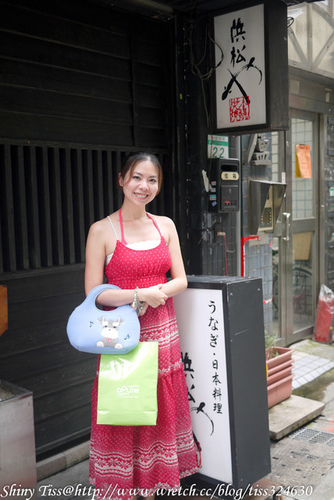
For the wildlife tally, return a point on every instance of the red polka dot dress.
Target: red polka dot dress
(146, 458)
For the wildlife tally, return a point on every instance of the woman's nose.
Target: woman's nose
(144, 184)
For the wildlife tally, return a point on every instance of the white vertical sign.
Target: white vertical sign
(240, 77)
(199, 314)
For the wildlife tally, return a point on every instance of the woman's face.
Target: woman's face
(141, 184)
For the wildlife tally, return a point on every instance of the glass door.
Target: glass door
(295, 247)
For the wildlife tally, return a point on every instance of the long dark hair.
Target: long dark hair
(132, 159)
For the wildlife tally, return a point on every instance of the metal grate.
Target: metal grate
(314, 436)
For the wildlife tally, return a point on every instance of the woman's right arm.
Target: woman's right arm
(95, 257)
(94, 269)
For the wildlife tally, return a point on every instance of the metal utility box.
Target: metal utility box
(221, 331)
(17, 442)
(224, 185)
(265, 201)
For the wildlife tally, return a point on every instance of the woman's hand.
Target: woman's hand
(143, 309)
(152, 296)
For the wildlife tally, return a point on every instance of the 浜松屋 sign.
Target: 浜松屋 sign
(241, 74)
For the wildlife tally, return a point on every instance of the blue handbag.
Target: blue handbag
(94, 330)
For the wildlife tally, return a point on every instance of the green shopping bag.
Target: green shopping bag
(127, 387)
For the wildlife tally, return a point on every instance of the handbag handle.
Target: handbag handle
(96, 291)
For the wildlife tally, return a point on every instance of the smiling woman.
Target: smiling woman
(134, 163)
(135, 250)
(141, 181)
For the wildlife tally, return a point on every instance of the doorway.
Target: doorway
(295, 242)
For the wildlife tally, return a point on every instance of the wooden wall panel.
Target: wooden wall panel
(57, 105)
(36, 23)
(79, 78)
(36, 354)
(81, 85)
(86, 12)
(50, 54)
(48, 78)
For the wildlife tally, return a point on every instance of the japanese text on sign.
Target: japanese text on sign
(240, 78)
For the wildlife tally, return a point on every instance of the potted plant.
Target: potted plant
(279, 371)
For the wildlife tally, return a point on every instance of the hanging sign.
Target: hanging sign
(240, 68)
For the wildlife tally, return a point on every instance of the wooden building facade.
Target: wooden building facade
(81, 85)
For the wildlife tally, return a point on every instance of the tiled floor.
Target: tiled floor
(307, 367)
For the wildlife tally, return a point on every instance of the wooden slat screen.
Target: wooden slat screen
(49, 196)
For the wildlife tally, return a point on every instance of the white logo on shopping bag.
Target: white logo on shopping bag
(130, 391)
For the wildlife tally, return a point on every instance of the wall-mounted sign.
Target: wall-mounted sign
(251, 76)
(241, 76)
(218, 146)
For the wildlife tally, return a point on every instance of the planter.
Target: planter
(279, 391)
(284, 354)
(278, 368)
(279, 381)
(279, 375)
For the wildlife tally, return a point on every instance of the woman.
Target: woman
(135, 250)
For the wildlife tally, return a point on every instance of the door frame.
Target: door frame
(287, 227)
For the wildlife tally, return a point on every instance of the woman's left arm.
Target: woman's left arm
(178, 283)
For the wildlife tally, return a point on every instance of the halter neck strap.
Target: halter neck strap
(121, 226)
(155, 223)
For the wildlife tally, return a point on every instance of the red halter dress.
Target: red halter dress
(139, 460)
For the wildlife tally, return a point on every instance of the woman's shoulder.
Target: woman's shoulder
(167, 227)
(162, 219)
(99, 227)
(165, 223)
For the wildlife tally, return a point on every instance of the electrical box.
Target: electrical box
(265, 201)
(224, 185)
(266, 221)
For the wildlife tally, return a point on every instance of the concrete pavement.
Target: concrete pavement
(302, 461)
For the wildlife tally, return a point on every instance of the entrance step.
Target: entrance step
(292, 414)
